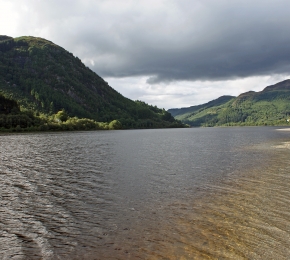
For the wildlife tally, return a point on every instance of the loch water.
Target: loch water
(197, 193)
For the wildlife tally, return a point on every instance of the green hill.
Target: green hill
(268, 107)
(186, 111)
(46, 78)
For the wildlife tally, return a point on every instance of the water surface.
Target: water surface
(204, 193)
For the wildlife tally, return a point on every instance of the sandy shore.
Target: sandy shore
(285, 145)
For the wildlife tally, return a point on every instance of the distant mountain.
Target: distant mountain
(185, 111)
(268, 107)
(46, 78)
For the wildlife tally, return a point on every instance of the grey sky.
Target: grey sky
(168, 53)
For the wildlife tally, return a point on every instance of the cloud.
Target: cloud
(168, 44)
(188, 93)
(167, 40)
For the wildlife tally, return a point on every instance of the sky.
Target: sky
(169, 53)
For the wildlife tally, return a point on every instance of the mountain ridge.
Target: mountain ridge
(270, 106)
(219, 100)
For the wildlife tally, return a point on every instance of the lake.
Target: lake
(197, 193)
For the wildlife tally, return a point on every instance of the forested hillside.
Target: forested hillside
(45, 78)
(268, 107)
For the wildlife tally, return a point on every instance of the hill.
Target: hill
(186, 111)
(45, 78)
(270, 106)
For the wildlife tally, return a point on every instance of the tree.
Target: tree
(115, 124)
(61, 115)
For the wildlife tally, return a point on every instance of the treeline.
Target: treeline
(22, 123)
(13, 119)
(27, 121)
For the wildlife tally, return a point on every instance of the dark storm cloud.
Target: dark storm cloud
(169, 40)
(228, 40)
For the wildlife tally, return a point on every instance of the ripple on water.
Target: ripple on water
(246, 217)
(66, 199)
(45, 198)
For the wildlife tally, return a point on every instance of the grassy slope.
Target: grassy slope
(187, 111)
